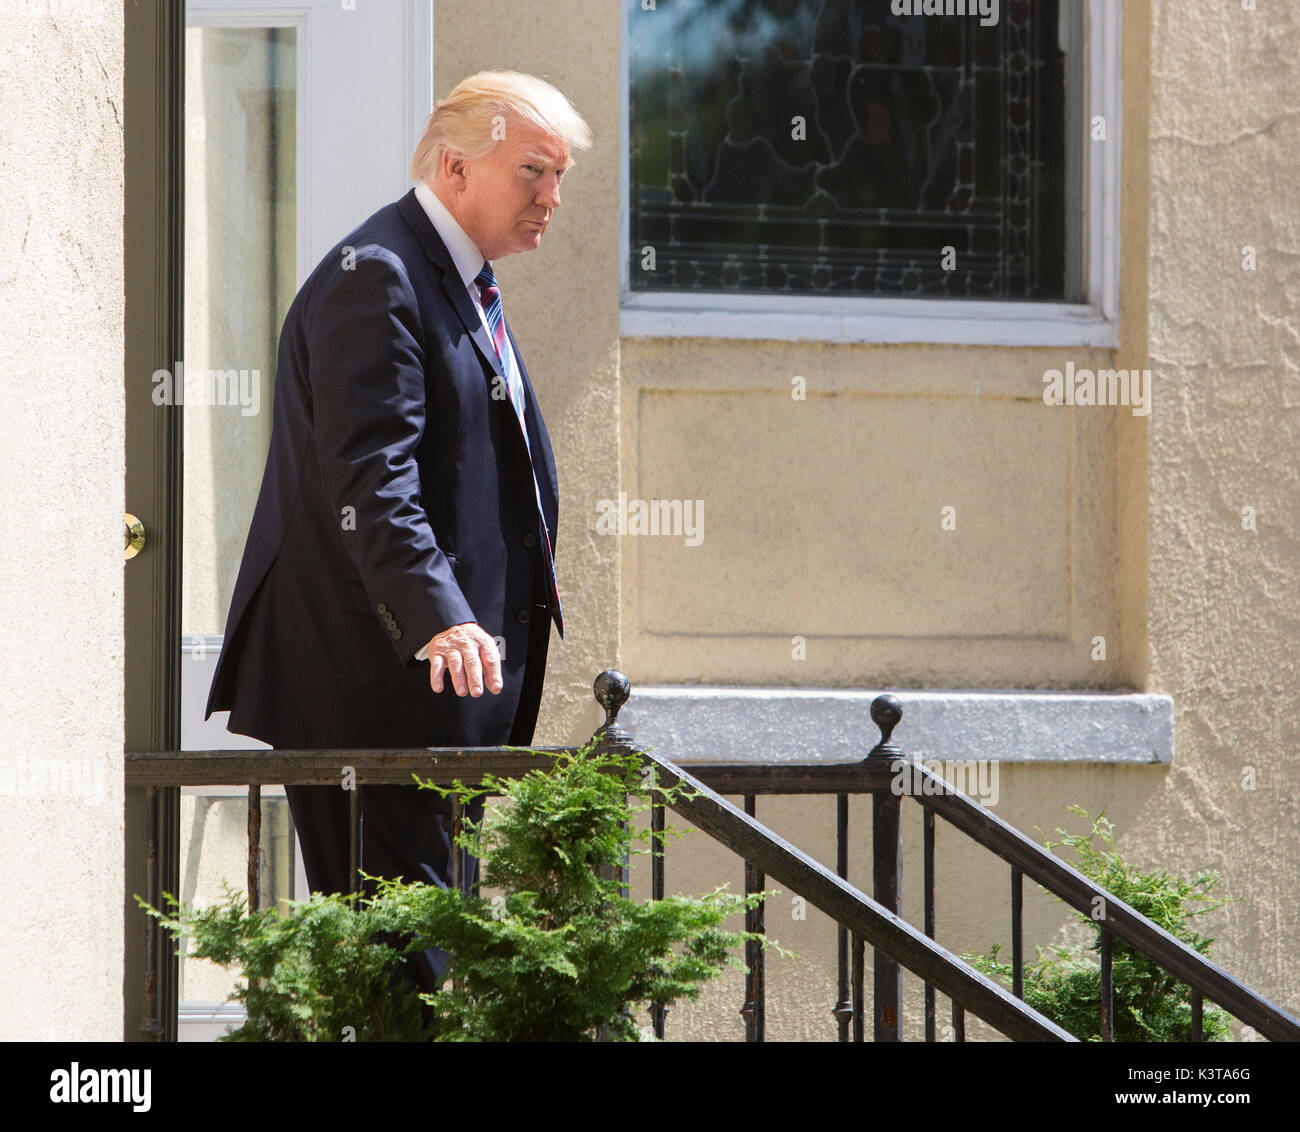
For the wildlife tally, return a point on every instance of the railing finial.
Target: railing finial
(886, 711)
(612, 689)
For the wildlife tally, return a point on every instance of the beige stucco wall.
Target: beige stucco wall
(1198, 608)
(1224, 609)
(1208, 610)
(1055, 505)
(61, 657)
(1079, 523)
(858, 472)
(568, 334)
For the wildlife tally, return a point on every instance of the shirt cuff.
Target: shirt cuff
(423, 653)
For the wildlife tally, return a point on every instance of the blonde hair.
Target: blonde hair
(464, 120)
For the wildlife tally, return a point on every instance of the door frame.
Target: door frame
(153, 267)
(153, 283)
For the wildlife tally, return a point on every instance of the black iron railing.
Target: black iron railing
(881, 774)
(862, 920)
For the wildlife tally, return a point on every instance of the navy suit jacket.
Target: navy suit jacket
(397, 501)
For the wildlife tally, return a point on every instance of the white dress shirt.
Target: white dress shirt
(469, 262)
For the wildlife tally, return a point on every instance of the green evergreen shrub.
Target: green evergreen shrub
(1064, 984)
(557, 955)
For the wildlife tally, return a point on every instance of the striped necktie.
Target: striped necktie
(490, 297)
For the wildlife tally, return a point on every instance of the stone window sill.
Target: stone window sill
(703, 724)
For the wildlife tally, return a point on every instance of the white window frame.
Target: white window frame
(841, 319)
(314, 108)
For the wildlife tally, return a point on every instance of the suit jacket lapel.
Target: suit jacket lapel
(542, 459)
(436, 250)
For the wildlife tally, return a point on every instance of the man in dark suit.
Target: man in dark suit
(404, 534)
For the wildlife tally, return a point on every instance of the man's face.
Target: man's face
(507, 198)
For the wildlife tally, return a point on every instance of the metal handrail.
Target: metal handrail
(888, 769)
(1020, 852)
(1121, 919)
(851, 908)
(765, 853)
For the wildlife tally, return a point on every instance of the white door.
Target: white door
(300, 122)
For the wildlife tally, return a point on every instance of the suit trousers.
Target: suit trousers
(406, 831)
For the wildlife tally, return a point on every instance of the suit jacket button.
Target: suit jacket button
(396, 634)
(530, 539)
(522, 617)
(382, 607)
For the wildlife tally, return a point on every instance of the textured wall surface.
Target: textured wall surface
(822, 518)
(562, 303)
(1192, 605)
(1203, 608)
(61, 653)
(1224, 608)
(1208, 611)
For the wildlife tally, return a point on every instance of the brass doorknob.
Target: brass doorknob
(133, 535)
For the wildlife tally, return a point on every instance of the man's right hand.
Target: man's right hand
(469, 655)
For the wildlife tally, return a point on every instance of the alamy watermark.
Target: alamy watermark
(681, 517)
(987, 10)
(976, 778)
(24, 777)
(1099, 387)
(241, 387)
(102, 1086)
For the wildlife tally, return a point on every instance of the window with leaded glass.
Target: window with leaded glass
(835, 148)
